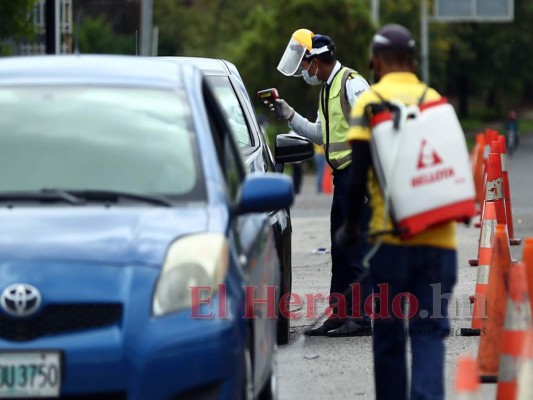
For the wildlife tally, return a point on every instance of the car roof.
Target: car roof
(210, 66)
(91, 69)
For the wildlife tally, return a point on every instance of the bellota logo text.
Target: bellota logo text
(207, 303)
(432, 177)
(428, 157)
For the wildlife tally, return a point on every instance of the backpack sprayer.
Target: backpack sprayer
(269, 96)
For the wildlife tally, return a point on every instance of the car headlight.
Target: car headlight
(192, 261)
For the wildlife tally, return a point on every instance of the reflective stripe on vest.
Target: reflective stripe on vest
(339, 151)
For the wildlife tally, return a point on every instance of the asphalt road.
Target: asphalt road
(342, 368)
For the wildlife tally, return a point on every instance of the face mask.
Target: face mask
(310, 80)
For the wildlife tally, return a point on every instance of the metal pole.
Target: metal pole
(146, 27)
(155, 41)
(424, 39)
(375, 12)
(50, 29)
(57, 33)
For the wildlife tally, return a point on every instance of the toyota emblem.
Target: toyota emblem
(20, 299)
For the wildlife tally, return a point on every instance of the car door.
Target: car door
(258, 157)
(253, 239)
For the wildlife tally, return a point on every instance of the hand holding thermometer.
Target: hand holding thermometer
(269, 96)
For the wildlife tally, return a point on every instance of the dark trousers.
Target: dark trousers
(429, 274)
(296, 177)
(346, 266)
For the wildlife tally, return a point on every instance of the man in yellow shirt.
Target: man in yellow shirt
(424, 265)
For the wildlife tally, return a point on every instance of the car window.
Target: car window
(232, 109)
(98, 138)
(229, 157)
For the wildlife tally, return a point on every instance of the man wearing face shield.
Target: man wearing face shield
(311, 56)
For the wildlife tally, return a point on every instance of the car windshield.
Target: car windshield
(133, 140)
(232, 109)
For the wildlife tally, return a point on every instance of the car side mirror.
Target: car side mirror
(292, 148)
(264, 193)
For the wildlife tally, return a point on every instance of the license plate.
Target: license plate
(30, 374)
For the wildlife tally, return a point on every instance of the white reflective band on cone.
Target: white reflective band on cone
(494, 190)
(289, 64)
(483, 274)
(525, 381)
(503, 160)
(486, 152)
(468, 396)
(517, 316)
(487, 233)
(508, 368)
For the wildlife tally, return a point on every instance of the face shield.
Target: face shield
(289, 64)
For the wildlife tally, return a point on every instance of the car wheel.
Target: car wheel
(248, 386)
(284, 323)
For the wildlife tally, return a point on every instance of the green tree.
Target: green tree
(490, 61)
(15, 20)
(268, 28)
(493, 61)
(97, 36)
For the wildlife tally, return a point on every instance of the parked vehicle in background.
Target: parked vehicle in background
(129, 228)
(231, 93)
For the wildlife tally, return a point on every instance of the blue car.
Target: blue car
(136, 251)
(232, 95)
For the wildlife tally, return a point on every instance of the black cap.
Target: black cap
(320, 41)
(323, 40)
(393, 37)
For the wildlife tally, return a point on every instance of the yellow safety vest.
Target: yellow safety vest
(335, 124)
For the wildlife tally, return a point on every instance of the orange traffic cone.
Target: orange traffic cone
(517, 323)
(507, 193)
(489, 138)
(482, 282)
(493, 193)
(490, 341)
(478, 169)
(494, 190)
(466, 379)
(525, 369)
(527, 258)
(327, 180)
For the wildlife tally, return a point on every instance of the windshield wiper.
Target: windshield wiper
(42, 195)
(114, 196)
(79, 197)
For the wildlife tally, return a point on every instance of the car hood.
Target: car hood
(116, 235)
